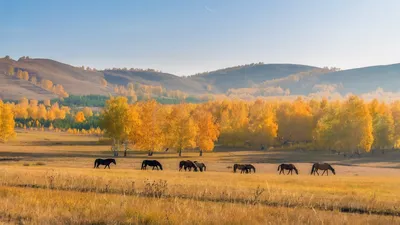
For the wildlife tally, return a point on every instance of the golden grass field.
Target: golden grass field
(48, 178)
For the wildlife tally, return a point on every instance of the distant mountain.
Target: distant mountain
(248, 75)
(257, 79)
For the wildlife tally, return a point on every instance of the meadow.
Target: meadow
(48, 178)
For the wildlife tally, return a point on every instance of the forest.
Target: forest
(351, 125)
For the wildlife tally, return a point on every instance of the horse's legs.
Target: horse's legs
(327, 171)
(323, 173)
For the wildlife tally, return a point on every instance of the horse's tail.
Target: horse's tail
(279, 167)
(312, 168)
(235, 168)
(95, 161)
(143, 164)
(254, 169)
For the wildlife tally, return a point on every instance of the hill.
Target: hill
(240, 81)
(247, 75)
(74, 80)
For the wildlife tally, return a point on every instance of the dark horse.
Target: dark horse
(153, 163)
(322, 166)
(202, 167)
(246, 168)
(289, 167)
(187, 165)
(106, 162)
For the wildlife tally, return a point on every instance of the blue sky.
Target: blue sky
(189, 36)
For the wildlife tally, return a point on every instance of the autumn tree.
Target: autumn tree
(152, 129)
(181, 128)
(395, 109)
(113, 120)
(103, 82)
(7, 122)
(383, 125)
(208, 130)
(87, 112)
(10, 71)
(46, 102)
(263, 123)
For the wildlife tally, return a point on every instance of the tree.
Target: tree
(87, 112)
(79, 117)
(46, 102)
(33, 80)
(113, 120)
(208, 131)
(7, 122)
(103, 82)
(395, 109)
(25, 75)
(262, 123)
(383, 125)
(10, 71)
(151, 135)
(181, 128)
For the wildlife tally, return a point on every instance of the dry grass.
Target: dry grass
(60, 187)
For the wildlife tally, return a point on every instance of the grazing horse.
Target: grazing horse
(202, 167)
(246, 168)
(322, 166)
(187, 165)
(289, 167)
(106, 162)
(153, 163)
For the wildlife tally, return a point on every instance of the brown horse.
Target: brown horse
(289, 167)
(187, 165)
(202, 167)
(322, 166)
(246, 168)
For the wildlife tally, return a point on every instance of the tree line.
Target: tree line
(352, 125)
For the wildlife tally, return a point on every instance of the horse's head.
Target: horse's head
(295, 170)
(113, 161)
(333, 170)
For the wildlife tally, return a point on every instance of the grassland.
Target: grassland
(48, 178)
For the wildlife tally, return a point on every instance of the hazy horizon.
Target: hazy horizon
(185, 38)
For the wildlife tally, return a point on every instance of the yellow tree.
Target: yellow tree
(233, 120)
(181, 128)
(103, 82)
(395, 109)
(262, 123)
(151, 136)
(80, 117)
(356, 126)
(87, 112)
(10, 71)
(25, 75)
(7, 122)
(113, 120)
(383, 125)
(133, 124)
(208, 130)
(34, 80)
(46, 102)
(295, 121)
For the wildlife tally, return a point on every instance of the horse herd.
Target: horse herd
(188, 165)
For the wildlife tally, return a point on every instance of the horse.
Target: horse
(202, 167)
(246, 168)
(323, 166)
(106, 162)
(289, 167)
(153, 163)
(250, 167)
(187, 165)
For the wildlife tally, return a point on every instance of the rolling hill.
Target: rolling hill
(266, 78)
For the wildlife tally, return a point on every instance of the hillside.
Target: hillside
(241, 81)
(247, 75)
(74, 80)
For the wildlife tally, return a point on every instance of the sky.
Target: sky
(185, 37)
